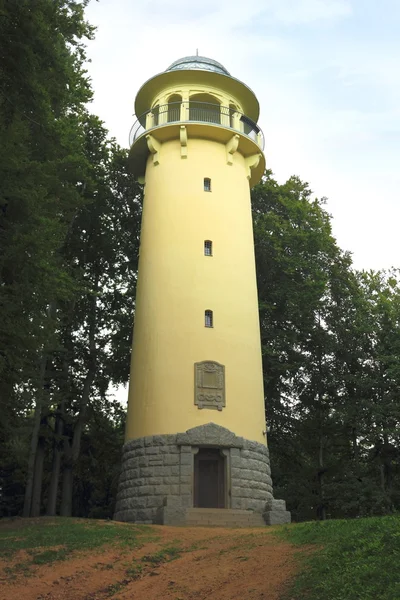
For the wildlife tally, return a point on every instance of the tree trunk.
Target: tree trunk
(321, 471)
(356, 457)
(72, 451)
(34, 441)
(388, 472)
(382, 474)
(67, 481)
(66, 496)
(55, 469)
(356, 452)
(37, 480)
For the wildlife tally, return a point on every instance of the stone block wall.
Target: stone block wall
(251, 483)
(158, 471)
(151, 470)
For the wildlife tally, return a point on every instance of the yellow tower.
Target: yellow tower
(196, 433)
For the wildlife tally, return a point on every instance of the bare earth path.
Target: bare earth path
(195, 564)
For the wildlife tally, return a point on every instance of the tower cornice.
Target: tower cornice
(151, 142)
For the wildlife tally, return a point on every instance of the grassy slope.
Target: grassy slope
(50, 539)
(355, 560)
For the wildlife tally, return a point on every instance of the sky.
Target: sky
(326, 74)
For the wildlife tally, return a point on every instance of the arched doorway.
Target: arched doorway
(174, 108)
(204, 108)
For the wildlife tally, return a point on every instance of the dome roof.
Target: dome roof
(198, 62)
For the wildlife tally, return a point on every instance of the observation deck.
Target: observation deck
(199, 119)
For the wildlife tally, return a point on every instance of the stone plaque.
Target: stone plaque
(209, 385)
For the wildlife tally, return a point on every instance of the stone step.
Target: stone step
(223, 517)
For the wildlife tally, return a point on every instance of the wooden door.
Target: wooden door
(209, 479)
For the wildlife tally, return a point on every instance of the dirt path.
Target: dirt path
(184, 564)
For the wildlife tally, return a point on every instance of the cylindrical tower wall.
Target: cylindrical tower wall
(177, 283)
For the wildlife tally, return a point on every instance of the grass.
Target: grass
(47, 540)
(114, 588)
(49, 556)
(18, 568)
(137, 569)
(166, 554)
(134, 571)
(352, 560)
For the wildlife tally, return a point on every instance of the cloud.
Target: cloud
(223, 16)
(310, 11)
(325, 73)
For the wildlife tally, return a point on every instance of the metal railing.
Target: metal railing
(197, 112)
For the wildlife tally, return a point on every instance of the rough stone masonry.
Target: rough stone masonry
(156, 482)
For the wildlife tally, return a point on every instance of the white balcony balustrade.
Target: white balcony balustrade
(196, 112)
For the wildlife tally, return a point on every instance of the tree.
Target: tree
(331, 343)
(102, 250)
(42, 94)
(298, 262)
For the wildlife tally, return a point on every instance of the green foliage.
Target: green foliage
(69, 223)
(353, 559)
(43, 90)
(330, 342)
(98, 468)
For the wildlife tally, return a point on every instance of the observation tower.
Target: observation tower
(196, 448)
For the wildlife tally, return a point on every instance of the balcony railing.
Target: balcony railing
(196, 112)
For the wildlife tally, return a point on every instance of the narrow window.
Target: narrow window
(207, 248)
(207, 184)
(208, 316)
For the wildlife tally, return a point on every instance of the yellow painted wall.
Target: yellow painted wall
(177, 283)
(186, 91)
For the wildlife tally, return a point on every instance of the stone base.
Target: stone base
(171, 513)
(156, 482)
(275, 513)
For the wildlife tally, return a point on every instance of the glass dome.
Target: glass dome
(198, 62)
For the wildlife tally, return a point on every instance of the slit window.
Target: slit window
(207, 184)
(207, 248)
(208, 318)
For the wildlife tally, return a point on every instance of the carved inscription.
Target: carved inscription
(209, 385)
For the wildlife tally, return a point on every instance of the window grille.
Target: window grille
(208, 316)
(207, 184)
(207, 247)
